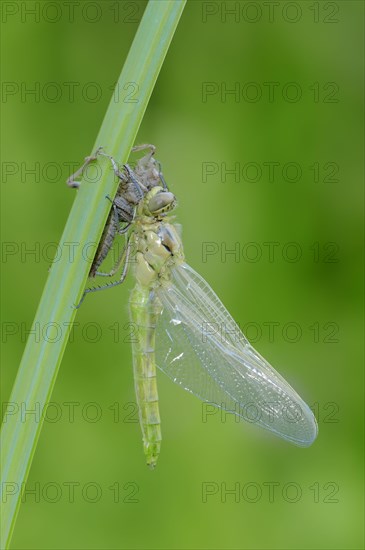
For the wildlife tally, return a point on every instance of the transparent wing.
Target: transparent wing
(201, 348)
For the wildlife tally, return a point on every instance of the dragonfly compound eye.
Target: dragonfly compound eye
(161, 202)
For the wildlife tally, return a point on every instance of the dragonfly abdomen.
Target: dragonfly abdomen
(144, 366)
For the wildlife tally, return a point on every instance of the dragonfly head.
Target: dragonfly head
(159, 202)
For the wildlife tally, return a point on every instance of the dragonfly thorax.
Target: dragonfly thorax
(158, 247)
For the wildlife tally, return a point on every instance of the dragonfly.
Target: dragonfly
(183, 327)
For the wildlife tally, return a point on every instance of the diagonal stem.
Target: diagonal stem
(39, 366)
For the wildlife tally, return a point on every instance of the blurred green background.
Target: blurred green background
(294, 131)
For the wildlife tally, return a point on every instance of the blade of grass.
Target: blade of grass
(39, 366)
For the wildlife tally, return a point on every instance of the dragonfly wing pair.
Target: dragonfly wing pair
(201, 348)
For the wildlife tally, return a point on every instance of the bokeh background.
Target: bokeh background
(294, 131)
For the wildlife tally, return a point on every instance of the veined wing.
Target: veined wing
(201, 348)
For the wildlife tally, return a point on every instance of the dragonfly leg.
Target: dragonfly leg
(120, 217)
(120, 175)
(139, 185)
(123, 257)
(123, 230)
(141, 189)
(149, 146)
(162, 179)
(71, 181)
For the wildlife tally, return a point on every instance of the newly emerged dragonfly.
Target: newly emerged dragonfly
(183, 327)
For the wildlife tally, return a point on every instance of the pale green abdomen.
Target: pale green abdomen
(144, 312)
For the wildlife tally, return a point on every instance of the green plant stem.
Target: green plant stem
(39, 366)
